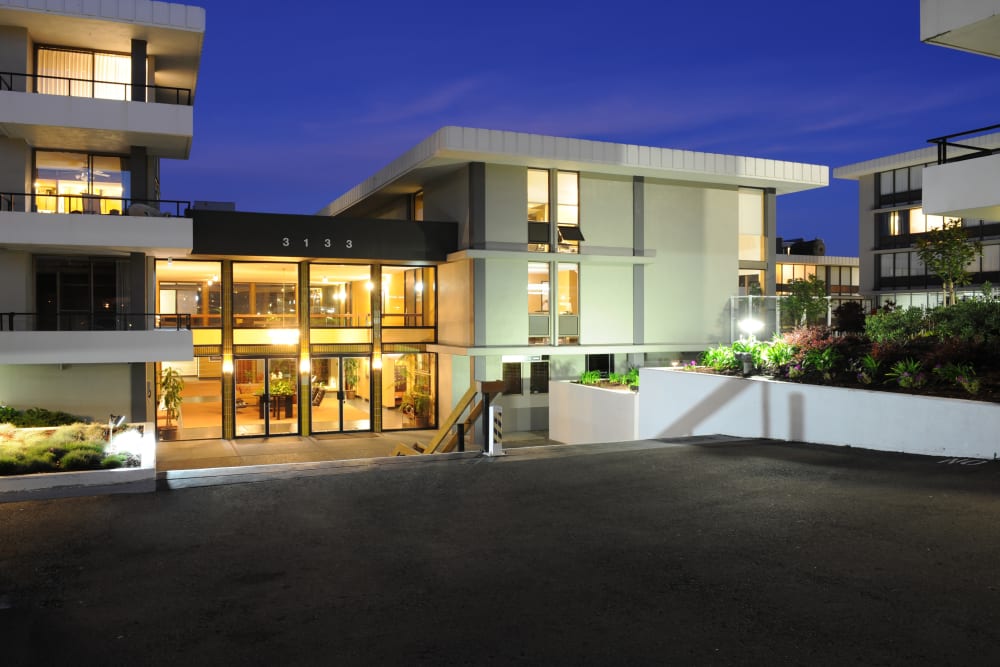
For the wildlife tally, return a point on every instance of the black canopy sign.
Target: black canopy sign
(313, 236)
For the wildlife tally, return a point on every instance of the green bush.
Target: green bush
(975, 320)
(590, 377)
(35, 417)
(82, 459)
(897, 326)
(721, 359)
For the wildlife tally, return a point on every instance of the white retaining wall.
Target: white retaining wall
(580, 414)
(675, 403)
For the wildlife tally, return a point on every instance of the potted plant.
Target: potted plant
(171, 386)
(283, 391)
(351, 373)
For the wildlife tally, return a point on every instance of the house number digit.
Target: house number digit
(284, 241)
(306, 241)
(350, 243)
(326, 243)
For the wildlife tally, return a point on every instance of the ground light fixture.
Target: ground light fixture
(114, 421)
(750, 326)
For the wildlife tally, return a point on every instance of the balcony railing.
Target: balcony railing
(94, 204)
(93, 321)
(106, 90)
(946, 142)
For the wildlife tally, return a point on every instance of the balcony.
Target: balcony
(96, 116)
(29, 222)
(963, 183)
(94, 338)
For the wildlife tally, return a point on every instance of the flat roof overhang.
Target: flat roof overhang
(962, 25)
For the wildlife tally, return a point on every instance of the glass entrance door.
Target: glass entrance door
(266, 397)
(341, 394)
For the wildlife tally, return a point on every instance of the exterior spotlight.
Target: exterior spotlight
(750, 326)
(114, 421)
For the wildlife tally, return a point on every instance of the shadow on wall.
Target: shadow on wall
(755, 426)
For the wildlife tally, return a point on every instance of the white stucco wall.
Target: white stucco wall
(695, 234)
(506, 283)
(675, 403)
(579, 414)
(967, 188)
(605, 304)
(606, 211)
(86, 390)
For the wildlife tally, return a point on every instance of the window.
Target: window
(569, 303)
(512, 379)
(84, 74)
(340, 295)
(899, 186)
(538, 303)
(408, 296)
(751, 224)
(418, 205)
(264, 295)
(540, 377)
(568, 213)
(603, 363)
(80, 183)
(538, 210)
(191, 288)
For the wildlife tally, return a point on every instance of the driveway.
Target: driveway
(709, 552)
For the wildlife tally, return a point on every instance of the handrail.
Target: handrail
(944, 142)
(92, 204)
(93, 321)
(179, 94)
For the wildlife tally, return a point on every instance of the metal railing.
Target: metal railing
(93, 204)
(945, 142)
(93, 321)
(69, 87)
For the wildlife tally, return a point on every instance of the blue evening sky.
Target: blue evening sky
(299, 101)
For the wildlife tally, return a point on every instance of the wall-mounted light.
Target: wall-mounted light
(304, 365)
(419, 287)
(377, 362)
(227, 365)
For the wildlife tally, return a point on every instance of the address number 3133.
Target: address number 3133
(286, 242)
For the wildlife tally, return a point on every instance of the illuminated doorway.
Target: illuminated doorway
(266, 397)
(340, 394)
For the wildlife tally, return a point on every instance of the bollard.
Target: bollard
(494, 442)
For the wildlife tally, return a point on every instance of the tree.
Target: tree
(946, 252)
(807, 301)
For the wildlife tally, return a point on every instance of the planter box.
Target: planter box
(580, 414)
(15, 488)
(675, 403)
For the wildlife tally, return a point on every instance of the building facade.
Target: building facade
(476, 256)
(579, 254)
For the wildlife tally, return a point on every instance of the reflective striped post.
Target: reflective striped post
(494, 441)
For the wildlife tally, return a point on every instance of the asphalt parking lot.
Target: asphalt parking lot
(705, 553)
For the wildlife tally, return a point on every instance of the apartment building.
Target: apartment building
(92, 97)
(904, 195)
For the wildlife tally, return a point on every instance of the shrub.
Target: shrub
(82, 459)
(962, 375)
(590, 377)
(897, 326)
(778, 355)
(824, 361)
(909, 373)
(868, 369)
(850, 316)
(721, 359)
(974, 320)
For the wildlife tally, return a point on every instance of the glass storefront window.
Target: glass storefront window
(408, 296)
(538, 210)
(538, 303)
(409, 391)
(340, 295)
(189, 287)
(264, 295)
